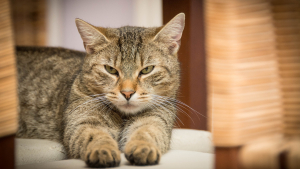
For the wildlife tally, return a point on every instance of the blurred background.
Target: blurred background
(52, 23)
(245, 78)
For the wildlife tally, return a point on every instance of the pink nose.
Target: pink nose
(127, 94)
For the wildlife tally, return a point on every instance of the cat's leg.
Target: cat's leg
(146, 139)
(93, 139)
(95, 146)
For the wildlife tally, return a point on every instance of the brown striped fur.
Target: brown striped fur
(70, 97)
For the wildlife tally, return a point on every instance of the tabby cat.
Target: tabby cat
(115, 97)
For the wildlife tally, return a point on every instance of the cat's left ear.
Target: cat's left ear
(171, 33)
(91, 36)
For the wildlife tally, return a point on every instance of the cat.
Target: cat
(118, 96)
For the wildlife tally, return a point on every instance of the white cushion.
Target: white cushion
(193, 140)
(174, 159)
(30, 151)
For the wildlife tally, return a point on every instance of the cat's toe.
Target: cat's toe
(103, 156)
(142, 153)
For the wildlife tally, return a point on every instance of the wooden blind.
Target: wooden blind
(253, 50)
(8, 83)
(244, 86)
(287, 28)
(286, 14)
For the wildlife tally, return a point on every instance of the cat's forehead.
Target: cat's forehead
(130, 41)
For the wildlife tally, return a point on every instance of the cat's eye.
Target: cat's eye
(111, 70)
(147, 70)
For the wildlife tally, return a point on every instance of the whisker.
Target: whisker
(99, 101)
(89, 101)
(158, 104)
(152, 106)
(180, 103)
(179, 109)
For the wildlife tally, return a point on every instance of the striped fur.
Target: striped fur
(70, 97)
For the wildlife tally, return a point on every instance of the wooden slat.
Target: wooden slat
(243, 71)
(287, 29)
(8, 90)
(228, 25)
(8, 93)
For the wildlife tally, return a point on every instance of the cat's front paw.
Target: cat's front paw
(142, 153)
(102, 156)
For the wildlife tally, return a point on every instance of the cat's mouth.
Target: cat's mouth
(128, 105)
(129, 108)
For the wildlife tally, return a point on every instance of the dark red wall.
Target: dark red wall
(192, 58)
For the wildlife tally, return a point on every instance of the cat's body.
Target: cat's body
(119, 96)
(45, 78)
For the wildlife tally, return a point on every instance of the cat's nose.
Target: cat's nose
(127, 94)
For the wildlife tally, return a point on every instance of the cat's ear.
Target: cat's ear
(90, 36)
(171, 33)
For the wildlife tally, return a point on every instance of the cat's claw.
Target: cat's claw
(142, 153)
(103, 156)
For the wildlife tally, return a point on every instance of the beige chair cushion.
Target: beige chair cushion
(188, 147)
(174, 159)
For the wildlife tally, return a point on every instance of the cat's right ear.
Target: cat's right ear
(171, 33)
(90, 36)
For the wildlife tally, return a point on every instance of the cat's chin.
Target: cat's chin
(129, 109)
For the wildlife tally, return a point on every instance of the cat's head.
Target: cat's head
(132, 65)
